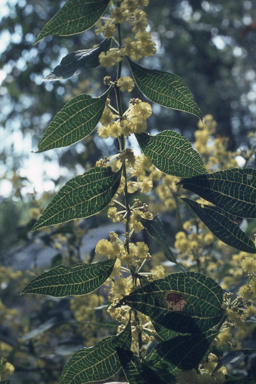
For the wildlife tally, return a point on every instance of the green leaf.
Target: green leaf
(164, 88)
(180, 353)
(233, 190)
(164, 333)
(96, 363)
(77, 62)
(223, 226)
(74, 17)
(5, 382)
(78, 279)
(82, 196)
(76, 120)
(171, 153)
(135, 371)
(155, 229)
(186, 303)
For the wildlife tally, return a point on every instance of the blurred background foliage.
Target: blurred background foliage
(211, 45)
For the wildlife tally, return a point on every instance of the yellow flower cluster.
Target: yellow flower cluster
(125, 83)
(201, 377)
(134, 120)
(195, 247)
(167, 192)
(85, 315)
(108, 29)
(110, 250)
(240, 264)
(116, 249)
(6, 368)
(216, 157)
(142, 46)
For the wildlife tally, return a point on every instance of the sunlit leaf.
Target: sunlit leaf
(96, 363)
(171, 153)
(155, 229)
(164, 88)
(223, 226)
(233, 190)
(186, 303)
(180, 353)
(76, 120)
(82, 196)
(74, 17)
(78, 279)
(77, 62)
(135, 371)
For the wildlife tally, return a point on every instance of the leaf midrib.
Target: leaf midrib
(90, 106)
(67, 285)
(177, 149)
(73, 20)
(74, 189)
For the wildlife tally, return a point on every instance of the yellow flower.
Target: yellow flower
(8, 369)
(140, 21)
(245, 292)
(125, 83)
(103, 132)
(115, 129)
(106, 60)
(250, 311)
(146, 185)
(107, 116)
(209, 238)
(109, 29)
(119, 15)
(249, 265)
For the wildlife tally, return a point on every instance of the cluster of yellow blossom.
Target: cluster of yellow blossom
(116, 249)
(110, 57)
(125, 83)
(194, 246)
(141, 46)
(85, 315)
(134, 119)
(6, 368)
(204, 374)
(241, 264)
(216, 156)
(167, 192)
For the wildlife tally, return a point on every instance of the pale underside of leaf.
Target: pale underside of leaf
(77, 119)
(78, 279)
(172, 154)
(223, 226)
(77, 62)
(166, 89)
(74, 17)
(96, 363)
(233, 190)
(200, 298)
(81, 197)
